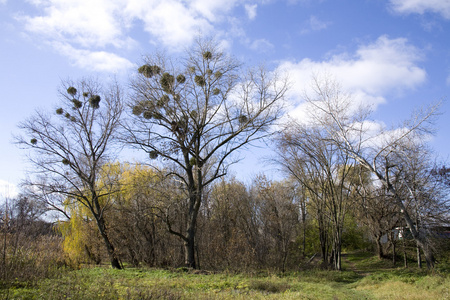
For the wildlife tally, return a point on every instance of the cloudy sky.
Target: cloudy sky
(394, 54)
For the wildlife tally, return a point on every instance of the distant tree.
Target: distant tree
(29, 248)
(222, 238)
(428, 201)
(280, 216)
(376, 210)
(327, 174)
(138, 215)
(378, 151)
(69, 147)
(196, 113)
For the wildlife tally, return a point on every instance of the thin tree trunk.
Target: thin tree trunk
(405, 257)
(394, 253)
(419, 257)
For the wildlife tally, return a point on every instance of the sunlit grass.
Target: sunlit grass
(364, 277)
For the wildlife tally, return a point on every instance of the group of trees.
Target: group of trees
(192, 116)
(339, 155)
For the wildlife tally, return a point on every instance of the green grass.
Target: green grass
(364, 277)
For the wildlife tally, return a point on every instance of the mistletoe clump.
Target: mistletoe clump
(147, 115)
(94, 101)
(148, 71)
(200, 80)
(243, 119)
(218, 74)
(59, 111)
(33, 141)
(72, 91)
(162, 101)
(77, 103)
(153, 154)
(216, 91)
(181, 79)
(207, 55)
(137, 110)
(166, 82)
(65, 161)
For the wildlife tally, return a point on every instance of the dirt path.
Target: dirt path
(352, 266)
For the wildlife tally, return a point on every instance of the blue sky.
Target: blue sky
(394, 54)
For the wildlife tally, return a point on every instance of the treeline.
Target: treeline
(266, 225)
(348, 180)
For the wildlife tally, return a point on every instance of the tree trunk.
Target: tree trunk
(405, 257)
(109, 246)
(337, 254)
(189, 241)
(303, 208)
(394, 253)
(379, 246)
(189, 249)
(419, 257)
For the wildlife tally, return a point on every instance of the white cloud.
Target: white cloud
(261, 45)
(314, 24)
(376, 69)
(174, 24)
(7, 190)
(212, 10)
(89, 23)
(96, 25)
(422, 6)
(94, 60)
(99, 23)
(251, 11)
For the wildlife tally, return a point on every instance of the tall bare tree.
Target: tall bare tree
(69, 147)
(377, 150)
(196, 113)
(307, 154)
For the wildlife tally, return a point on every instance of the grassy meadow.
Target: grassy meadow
(364, 277)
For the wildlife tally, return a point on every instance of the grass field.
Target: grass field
(364, 277)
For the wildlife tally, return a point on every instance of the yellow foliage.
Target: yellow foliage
(75, 233)
(121, 185)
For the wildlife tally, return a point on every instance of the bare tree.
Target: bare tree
(196, 113)
(307, 154)
(427, 199)
(69, 148)
(377, 150)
